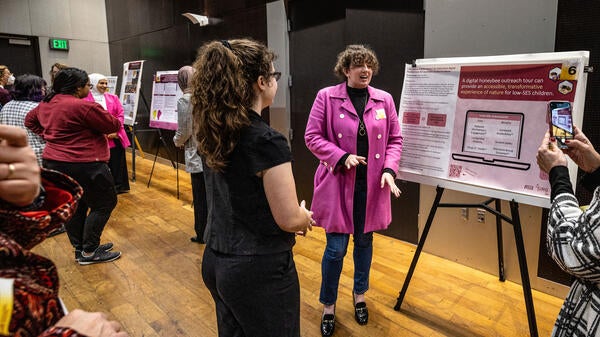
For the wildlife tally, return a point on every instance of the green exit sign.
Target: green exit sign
(59, 44)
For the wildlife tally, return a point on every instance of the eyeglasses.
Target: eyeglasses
(276, 74)
(90, 85)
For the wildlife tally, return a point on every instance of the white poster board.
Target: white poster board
(130, 89)
(165, 94)
(474, 124)
(112, 84)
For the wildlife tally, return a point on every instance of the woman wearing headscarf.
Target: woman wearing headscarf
(193, 164)
(117, 141)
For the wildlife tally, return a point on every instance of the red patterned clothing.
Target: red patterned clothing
(36, 306)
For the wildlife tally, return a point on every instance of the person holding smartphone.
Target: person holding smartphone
(561, 122)
(573, 235)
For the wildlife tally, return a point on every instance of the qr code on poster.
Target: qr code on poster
(455, 171)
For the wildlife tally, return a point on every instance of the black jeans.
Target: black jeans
(200, 203)
(99, 198)
(255, 295)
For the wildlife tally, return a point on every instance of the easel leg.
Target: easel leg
(132, 129)
(413, 264)
(501, 275)
(153, 164)
(164, 143)
(177, 171)
(514, 209)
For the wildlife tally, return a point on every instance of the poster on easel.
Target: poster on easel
(112, 84)
(165, 94)
(474, 124)
(130, 89)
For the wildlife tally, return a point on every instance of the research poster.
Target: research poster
(112, 84)
(130, 89)
(165, 94)
(478, 122)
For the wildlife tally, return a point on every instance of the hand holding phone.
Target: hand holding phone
(561, 122)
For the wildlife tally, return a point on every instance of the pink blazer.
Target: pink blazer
(114, 107)
(331, 133)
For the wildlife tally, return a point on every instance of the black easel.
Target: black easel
(161, 140)
(515, 221)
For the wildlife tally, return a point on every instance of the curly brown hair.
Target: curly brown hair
(223, 93)
(355, 55)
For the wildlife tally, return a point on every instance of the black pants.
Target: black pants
(256, 295)
(200, 204)
(99, 198)
(118, 166)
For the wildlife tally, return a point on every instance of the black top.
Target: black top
(239, 217)
(359, 98)
(560, 182)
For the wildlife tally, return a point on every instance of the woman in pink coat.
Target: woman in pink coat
(353, 130)
(116, 141)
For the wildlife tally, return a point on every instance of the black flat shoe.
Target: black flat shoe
(197, 240)
(361, 313)
(327, 325)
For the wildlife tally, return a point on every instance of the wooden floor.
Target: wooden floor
(156, 289)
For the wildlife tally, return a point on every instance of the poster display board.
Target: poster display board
(130, 89)
(165, 94)
(474, 124)
(112, 84)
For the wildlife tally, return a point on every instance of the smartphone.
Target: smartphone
(561, 121)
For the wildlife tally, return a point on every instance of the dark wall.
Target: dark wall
(155, 31)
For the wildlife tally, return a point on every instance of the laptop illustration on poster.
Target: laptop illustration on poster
(493, 138)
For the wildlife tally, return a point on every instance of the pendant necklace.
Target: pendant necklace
(361, 125)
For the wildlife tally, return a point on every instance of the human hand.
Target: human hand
(112, 135)
(19, 170)
(549, 155)
(582, 152)
(354, 160)
(92, 324)
(387, 178)
(311, 221)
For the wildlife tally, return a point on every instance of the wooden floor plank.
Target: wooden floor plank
(156, 288)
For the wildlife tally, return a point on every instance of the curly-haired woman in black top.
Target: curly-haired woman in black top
(253, 209)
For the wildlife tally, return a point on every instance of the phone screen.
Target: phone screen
(561, 121)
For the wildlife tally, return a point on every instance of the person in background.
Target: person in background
(353, 130)
(253, 211)
(28, 91)
(184, 137)
(117, 141)
(573, 235)
(30, 207)
(74, 131)
(55, 68)
(6, 79)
